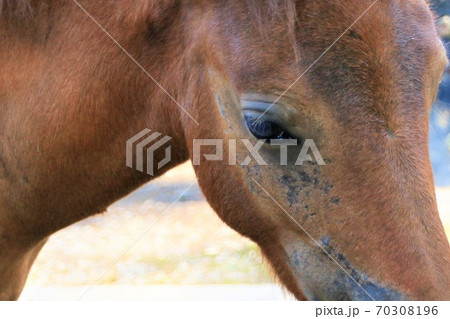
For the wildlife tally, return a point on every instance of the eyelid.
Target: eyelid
(267, 111)
(256, 105)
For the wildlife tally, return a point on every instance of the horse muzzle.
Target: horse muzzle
(324, 274)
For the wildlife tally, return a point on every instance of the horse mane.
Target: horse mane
(260, 9)
(281, 11)
(15, 7)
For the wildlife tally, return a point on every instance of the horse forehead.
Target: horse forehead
(356, 26)
(391, 44)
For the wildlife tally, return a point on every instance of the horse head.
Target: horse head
(358, 78)
(321, 108)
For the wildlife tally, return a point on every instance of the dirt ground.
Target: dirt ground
(189, 245)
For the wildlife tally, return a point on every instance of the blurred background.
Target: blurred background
(189, 253)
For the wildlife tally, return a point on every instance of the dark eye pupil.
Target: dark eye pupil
(265, 129)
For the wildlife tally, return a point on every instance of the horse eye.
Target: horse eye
(265, 130)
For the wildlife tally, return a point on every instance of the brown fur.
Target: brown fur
(70, 98)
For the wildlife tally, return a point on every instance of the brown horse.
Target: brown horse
(361, 78)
